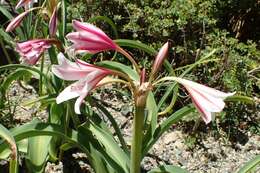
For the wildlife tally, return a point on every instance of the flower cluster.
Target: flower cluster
(90, 39)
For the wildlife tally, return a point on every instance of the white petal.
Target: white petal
(206, 115)
(78, 103)
(67, 94)
(207, 101)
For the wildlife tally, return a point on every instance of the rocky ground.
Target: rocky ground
(208, 154)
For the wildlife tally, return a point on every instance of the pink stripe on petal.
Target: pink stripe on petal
(88, 77)
(205, 99)
(73, 71)
(206, 115)
(31, 50)
(85, 37)
(209, 103)
(82, 42)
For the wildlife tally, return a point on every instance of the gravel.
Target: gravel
(210, 155)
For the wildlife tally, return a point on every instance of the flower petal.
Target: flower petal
(68, 70)
(208, 102)
(78, 103)
(206, 115)
(68, 93)
(205, 99)
(205, 89)
(87, 27)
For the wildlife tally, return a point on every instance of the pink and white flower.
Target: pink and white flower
(31, 50)
(205, 99)
(89, 38)
(87, 75)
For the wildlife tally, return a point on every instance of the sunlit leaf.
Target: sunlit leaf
(250, 165)
(9, 139)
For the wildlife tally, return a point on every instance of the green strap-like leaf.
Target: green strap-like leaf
(114, 124)
(238, 98)
(37, 153)
(249, 166)
(6, 37)
(151, 119)
(137, 45)
(83, 138)
(8, 137)
(120, 67)
(110, 146)
(14, 76)
(28, 68)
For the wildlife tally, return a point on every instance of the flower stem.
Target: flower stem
(41, 81)
(129, 57)
(136, 147)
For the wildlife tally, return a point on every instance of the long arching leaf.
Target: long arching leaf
(9, 139)
(250, 165)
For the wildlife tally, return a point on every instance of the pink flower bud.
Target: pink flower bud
(16, 21)
(53, 23)
(159, 59)
(89, 38)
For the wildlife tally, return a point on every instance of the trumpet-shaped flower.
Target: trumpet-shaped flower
(53, 23)
(88, 76)
(205, 99)
(89, 38)
(31, 50)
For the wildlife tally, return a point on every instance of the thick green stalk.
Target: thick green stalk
(41, 78)
(136, 147)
